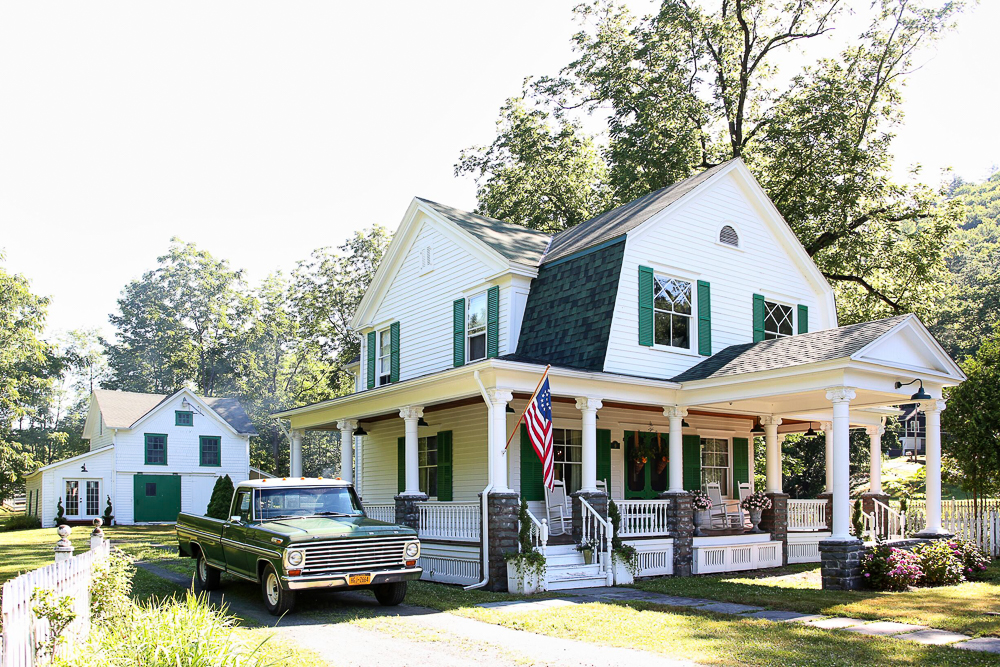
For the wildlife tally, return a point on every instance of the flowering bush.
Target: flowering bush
(887, 568)
(973, 560)
(941, 565)
(756, 501)
(700, 500)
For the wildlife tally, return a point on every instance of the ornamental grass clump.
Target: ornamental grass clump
(887, 568)
(940, 564)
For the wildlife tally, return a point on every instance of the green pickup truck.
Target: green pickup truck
(292, 535)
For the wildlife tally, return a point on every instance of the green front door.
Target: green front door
(156, 497)
(646, 464)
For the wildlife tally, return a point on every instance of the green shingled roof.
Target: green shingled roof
(516, 243)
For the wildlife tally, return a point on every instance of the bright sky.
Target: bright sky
(263, 130)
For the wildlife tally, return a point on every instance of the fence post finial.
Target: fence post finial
(64, 548)
(97, 535)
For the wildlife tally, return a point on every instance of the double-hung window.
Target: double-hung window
(777, 320)
(671, 312)
(72, 498)
(93, 497)
(567, 453)
(211, 450)
(715, 462)
(156, 449)
(427, 462)
(475, 327)
(384, 357)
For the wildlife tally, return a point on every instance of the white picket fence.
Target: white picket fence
(961, 518)
(22, 632)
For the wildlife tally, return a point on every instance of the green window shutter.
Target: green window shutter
(394, 352)
(444, 466)
(604, 456)
(371, 360)
(803, 319)
(493, 322)
(531, 469)
(645, 306)
(458, 329)
(704, 318)
(758, 318)
(741, 463)
(401, 465)
(691, 446)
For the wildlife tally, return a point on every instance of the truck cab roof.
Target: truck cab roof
(293, 482)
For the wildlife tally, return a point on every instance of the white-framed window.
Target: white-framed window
(729, 236)
(384, 361)
(93, 497)
(672, 312)
(427, 461)
(72, 497)
(778, 321)
(715, 462)
(567, 446)
(475, 327)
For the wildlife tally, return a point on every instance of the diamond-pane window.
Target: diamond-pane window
(672, 312)
(777, 320)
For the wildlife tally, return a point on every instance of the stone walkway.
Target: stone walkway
(903, 631)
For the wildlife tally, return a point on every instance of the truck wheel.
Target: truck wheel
(278, 600)
(208, 577)
(389, 595)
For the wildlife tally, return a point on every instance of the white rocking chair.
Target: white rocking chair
(557, 509)
(719, 513)
(739, 516)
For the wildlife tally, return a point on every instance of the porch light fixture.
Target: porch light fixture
(757, 429)
(360, 430)
(421, 422)
(684, 424)
(921, 395)
(811, 431)
(510, 410)
(83, 468)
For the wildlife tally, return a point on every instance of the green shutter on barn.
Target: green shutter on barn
(458, 332)
(493, 322)
(758, 318)
(371, 360)
(803, 319)
(444, 467)
(704, 319)
(604, 456)
(401, 465)
(394, 352)
(741, 463)
(645, 306)
(531, 469)
(691, 445)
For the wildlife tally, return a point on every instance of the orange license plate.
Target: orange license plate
(359, 579)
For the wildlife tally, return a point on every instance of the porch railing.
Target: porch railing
(598, 531)
(643, 518)
(381, 512)
(808, 514)
(887, 523)
(449, 521)
(539, 533)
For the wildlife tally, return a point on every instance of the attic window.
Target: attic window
(729, 236)
(425, 260)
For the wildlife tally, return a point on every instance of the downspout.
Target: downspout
(485, 532)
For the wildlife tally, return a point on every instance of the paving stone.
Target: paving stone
(527, 605)
(933, 636)
(885, 628)
(988, 644)
(729, 608)
(785, 616)
(835, 623)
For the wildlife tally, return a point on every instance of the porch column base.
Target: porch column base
(923, 535)
(680, 524)
(502, 508)
(597, 499)
(841, 561)
(775, 521)
(408, 510)
(828, 497)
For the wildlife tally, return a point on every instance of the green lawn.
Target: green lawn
(960, 608)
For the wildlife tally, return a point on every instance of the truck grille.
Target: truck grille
(354, 555)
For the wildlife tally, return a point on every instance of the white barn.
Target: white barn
(152, 455)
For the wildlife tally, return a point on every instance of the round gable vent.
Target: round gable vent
(729, 236)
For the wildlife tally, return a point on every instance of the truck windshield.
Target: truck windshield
(307, 501)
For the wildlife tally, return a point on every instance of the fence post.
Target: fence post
(64, 548)
(97, 535)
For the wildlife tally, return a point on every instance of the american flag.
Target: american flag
(538, 419)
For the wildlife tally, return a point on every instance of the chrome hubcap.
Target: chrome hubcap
(273, 590)
(202, 569)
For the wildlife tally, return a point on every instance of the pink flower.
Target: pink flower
(867, 574)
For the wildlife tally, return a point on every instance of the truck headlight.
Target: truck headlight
(294, 558)
(412, 550)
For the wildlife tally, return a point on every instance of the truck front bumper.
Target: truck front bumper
(339, 580)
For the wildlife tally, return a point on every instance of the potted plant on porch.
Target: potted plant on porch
(701, 504)
(755, 504)
(526, 566)
(624, 557)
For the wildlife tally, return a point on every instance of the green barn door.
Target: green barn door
(156, 497)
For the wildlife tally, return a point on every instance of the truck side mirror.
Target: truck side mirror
(236, 518)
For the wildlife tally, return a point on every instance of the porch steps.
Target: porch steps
(566, 569)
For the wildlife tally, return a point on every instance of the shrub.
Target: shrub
(973, 560)
(940, 564)
(60, 514)
(887, 568)
(858, 520)
(222, 498)
(22, 522)
(109, 513)
(111, 587)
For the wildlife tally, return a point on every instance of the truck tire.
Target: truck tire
(207, 576)
(389, 595)
(278, 600)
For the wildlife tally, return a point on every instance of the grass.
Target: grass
(960, 608)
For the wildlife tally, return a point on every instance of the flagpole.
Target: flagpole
(533, 394)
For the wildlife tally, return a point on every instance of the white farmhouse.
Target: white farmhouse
(152, 455)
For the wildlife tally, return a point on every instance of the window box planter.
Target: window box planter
(524, 579)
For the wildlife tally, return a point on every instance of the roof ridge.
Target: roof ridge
(485, 217)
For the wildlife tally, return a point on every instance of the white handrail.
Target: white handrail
(539, 533)
(643, 518)
(597, 530)
(888, 523)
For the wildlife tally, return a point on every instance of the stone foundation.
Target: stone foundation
(408, 510)
(775, 521)
(502, 509)
(841, 561)
(680, 523)
(597, 499)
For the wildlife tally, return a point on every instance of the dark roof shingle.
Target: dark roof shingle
(516, 243)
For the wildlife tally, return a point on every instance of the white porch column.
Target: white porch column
(841, 398)
(295, 455)
(772, 469)
(875, 469)
(347, 427)
(675, 447)
(589, 407)
(411, 415)
(828, 434)
(932, 419)
(499, 398)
